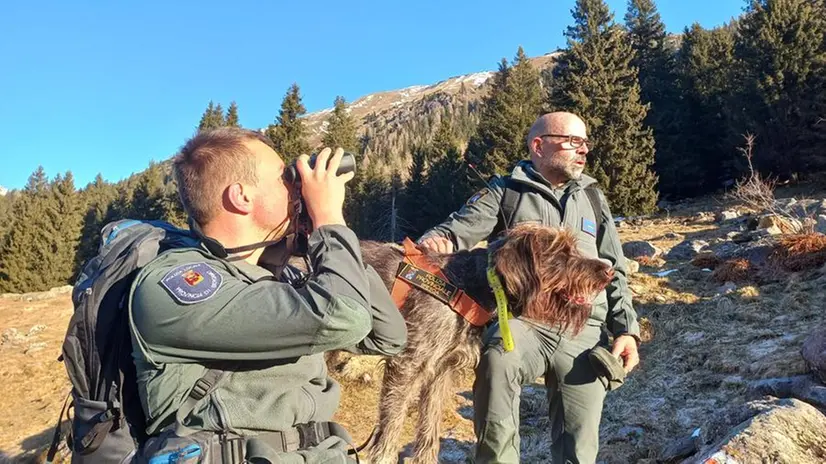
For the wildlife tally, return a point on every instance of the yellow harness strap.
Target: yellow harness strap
(501, 305)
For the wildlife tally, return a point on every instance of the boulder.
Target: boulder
(779, 225)
(814, 352)
(678, 449)
(802, 387)
(756, 251)
(727, 215)
(785, 203)
(686, 250)
(638, 248)
(787, 430)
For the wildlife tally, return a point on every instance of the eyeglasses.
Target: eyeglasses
(575, 140)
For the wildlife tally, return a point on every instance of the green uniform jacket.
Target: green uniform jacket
(189, 308)
(477, 220)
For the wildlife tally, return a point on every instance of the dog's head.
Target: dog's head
(546, 277)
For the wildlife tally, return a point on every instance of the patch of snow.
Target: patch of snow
(477, 79)
(407, 92)
(361, 102)
(664, 273)
(3, 190)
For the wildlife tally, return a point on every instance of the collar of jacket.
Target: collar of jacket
(211, 245)
(215, 248)
(526, 173)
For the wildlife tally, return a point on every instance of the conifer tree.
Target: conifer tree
(28, 250)
(65, 214)
(212, 118)
(781, 48)
(596, 81)
(374, 200)
(148, 199)
(341, 128)
(232, 116)
(415, 190)
(288, 134)
(97, 198)
(705, 156)
(5, 214)
(509, 110)
(655, 60)
(448, 185)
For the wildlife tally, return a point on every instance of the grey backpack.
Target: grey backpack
(108, 424)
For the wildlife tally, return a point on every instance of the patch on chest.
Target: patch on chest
(192, 282)
(589, 227)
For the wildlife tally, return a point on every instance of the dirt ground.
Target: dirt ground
(701, 350)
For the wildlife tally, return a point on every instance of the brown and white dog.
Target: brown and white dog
(545, 278)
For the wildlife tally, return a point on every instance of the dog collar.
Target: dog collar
(501, 304)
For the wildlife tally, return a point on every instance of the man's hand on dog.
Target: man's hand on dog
(625, 346)
(438, 244)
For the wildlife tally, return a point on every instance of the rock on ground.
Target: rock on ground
(814, 352)
(727, 215)
(638, 248)
(775, 225)
(787, 431)
(686, 250)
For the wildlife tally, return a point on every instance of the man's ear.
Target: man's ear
(536, 144)
(238, 198)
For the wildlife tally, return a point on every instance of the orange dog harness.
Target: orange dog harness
(416, 271)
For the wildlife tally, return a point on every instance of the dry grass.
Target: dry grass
(706, 261)
(734, 270)
(800, 252)
(648, 261)
(33, 384)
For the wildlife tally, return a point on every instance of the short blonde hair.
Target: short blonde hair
(208, 163)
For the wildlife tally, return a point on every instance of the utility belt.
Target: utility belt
(229, 448)
(180, 444)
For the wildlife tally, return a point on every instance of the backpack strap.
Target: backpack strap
(509, 203)
(596, 204)
(203, 387)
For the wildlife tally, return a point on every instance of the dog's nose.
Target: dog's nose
(609, 272)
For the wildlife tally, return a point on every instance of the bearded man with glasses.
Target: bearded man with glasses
(552, 190)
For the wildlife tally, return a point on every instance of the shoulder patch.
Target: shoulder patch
(477, 196)
(589, 227)
(192, 282)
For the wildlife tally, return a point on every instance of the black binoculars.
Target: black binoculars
(348, 164)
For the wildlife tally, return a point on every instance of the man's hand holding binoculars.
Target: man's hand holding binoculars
(322, 189)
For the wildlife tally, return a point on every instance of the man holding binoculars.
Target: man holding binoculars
(230, 355)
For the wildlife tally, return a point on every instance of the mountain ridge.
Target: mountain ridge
(377, 113)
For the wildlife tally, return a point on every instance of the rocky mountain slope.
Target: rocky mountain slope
(392, 122)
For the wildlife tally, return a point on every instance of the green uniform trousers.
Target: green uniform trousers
(575, 393)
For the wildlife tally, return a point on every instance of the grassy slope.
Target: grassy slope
(700, 351)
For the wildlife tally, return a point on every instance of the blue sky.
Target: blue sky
(108, 86)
